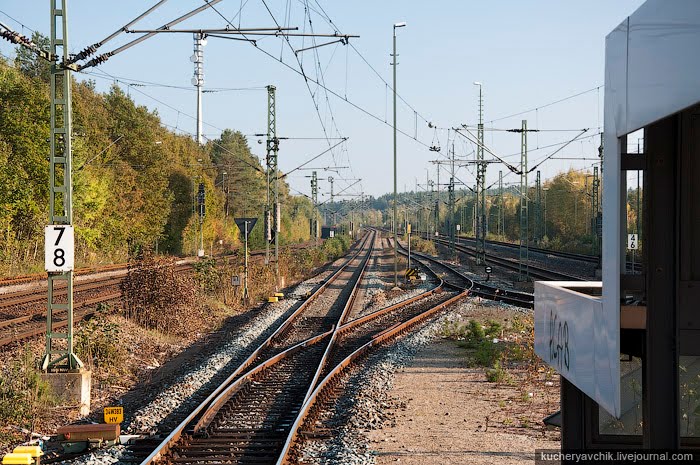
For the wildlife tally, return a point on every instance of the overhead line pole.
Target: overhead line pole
(480, 186)
(198, 79)
(451, 203)
(538, 209)
(314, 199)
(523, 269)
(500, 206)
(272, 147)
(396, 250)
(60, 192)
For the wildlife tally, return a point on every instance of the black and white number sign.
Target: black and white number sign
(59, 248)
(632, 242)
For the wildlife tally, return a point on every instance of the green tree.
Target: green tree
(29, 63)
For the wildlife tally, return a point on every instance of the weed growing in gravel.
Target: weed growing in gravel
(423, 246)
(484, 347)
(496, 374)
(97, 344)
(23, 395)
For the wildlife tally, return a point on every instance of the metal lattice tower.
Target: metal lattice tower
(451, 204)
(437, 199)
(331, 179)
(314, 199)
(431, 202)
(272, 177)
(538, 209)
(595, 208)
(523, 269)
(201, 212)
(60, 356)
(480, 189)
(500, 205)
(451, 213)
(198, 78)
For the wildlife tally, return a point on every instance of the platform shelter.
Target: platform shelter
(628, 349)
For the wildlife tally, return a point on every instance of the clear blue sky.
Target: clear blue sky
(526, 53)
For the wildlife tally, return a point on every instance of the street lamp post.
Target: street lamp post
(396, 251)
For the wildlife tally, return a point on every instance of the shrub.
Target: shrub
(423, 246)
(156, 297)
(23, 395)
(97, 343)
(207, 275)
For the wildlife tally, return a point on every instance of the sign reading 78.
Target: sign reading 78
(59, 248)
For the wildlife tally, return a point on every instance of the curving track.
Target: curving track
(254, 419)
(266, 407)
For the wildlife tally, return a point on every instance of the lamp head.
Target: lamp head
(401, 24)
(477, 83)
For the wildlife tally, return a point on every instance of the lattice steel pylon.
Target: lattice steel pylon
(480, 189)
(595, 208)
(60, 356)
(500, 205)
(272, 220)
(523, 268)
(331, 180)
(198, 79)
(314, 199)
(538, 209)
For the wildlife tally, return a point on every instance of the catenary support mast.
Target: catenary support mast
(60, 356)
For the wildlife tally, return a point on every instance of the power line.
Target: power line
(18, 22)
(548, 104)
(140, 83)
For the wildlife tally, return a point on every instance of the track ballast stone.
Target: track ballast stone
(367, 398)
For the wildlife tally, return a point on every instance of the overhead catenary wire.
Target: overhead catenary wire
(185, 114)
(142, 83)
(24, 26)
(548, 104)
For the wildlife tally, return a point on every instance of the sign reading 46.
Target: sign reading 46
(59, 248)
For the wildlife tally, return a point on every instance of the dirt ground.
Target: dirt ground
(451, 414)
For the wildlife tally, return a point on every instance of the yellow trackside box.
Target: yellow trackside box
(279, 295)
(17, 459)
(272, 299)
(34, 451)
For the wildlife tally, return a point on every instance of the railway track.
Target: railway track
(299, 322)
(579, 257)
(265, 407)
(255, 255)
(477, 288)
(88, 296)
(534, 271)
(251, 419)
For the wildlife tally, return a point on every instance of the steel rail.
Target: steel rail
(215, 398)
(225, 395)
(378, 339)
(206, 420)
(40, 328)
(512, 265)
(479, 289)
(343, 315)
